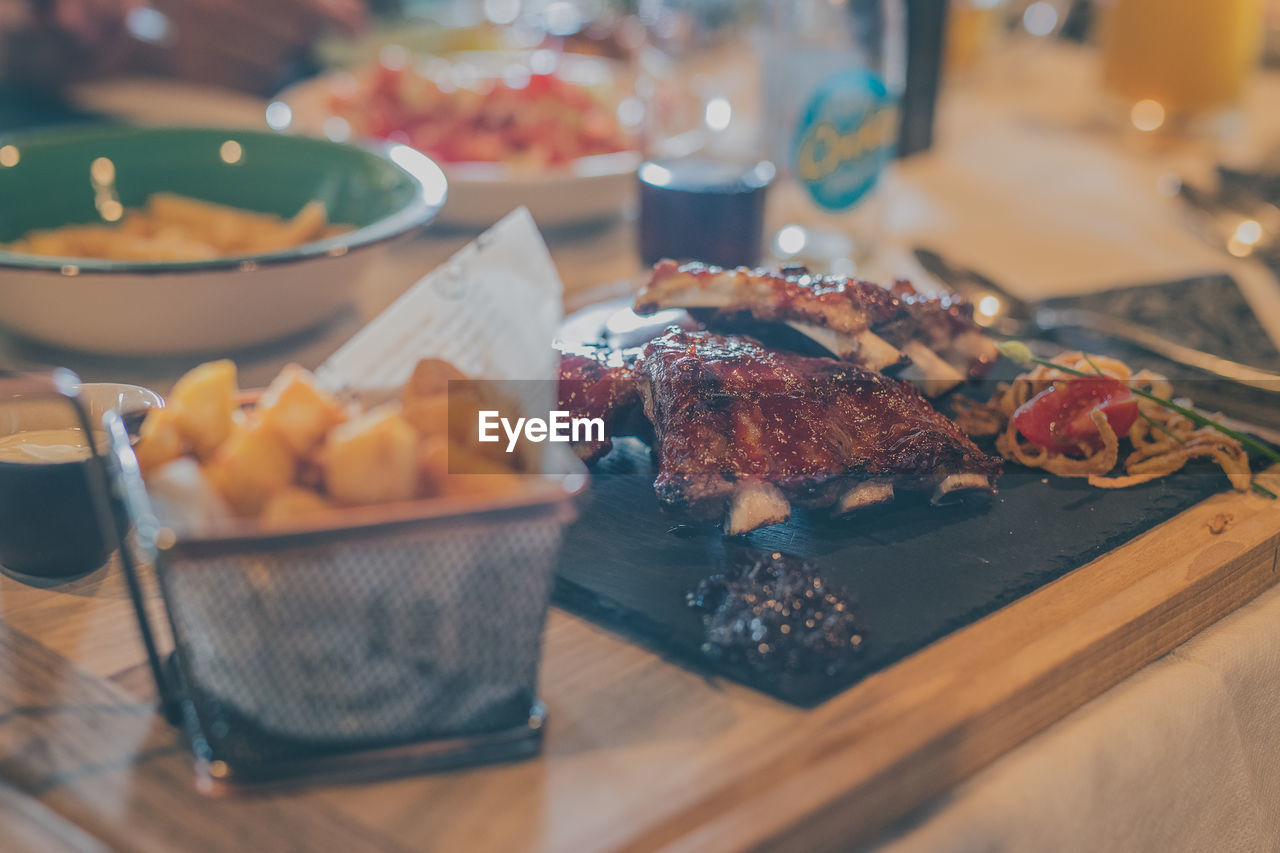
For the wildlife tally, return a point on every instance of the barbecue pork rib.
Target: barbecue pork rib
(743, 431)
(597, 383)
(929, 341)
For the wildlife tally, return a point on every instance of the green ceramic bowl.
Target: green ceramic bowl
(57, 178)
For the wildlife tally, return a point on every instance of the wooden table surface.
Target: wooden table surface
(640, 753)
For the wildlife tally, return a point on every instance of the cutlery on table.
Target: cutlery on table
(1241, 224)
(1003, 313)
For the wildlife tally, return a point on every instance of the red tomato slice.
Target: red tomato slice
(549, 120)
(387, 80)
(1058, 418)
(541, 84)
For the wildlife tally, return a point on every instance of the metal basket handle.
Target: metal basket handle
(118, 468)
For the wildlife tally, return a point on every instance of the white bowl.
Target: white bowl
(591, 188)
(154, 313)
(148, 308)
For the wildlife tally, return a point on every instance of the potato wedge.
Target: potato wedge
(300, 451)
(425, 397)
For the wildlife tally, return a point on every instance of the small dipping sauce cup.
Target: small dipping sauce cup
(703, 210)
(49, 526)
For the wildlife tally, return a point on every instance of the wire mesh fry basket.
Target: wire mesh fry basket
(407, 640)
(397, 638)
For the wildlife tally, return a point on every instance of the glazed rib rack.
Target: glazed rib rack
(930, 341)
(742, 432)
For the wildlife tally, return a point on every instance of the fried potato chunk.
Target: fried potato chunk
(450, 470)
(159, 440)
(439, 399)
(370, 459)
(204, 403)
(251, 466)
(291, 504)
(298, 410)
(431, 376)
(428, 415)
(425, 397)
(300, 451)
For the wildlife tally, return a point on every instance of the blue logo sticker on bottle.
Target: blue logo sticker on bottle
(845, 137)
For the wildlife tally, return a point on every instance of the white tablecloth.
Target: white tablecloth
(1183, 756)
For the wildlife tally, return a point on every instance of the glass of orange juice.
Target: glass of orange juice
(1172, 61)
(973, 27)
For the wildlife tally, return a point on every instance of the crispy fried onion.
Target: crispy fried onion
(1163, 441)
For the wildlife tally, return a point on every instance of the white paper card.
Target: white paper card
(492, 310)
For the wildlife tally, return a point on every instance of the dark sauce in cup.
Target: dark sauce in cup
(48, 446)
(49, 524)
(695, 209)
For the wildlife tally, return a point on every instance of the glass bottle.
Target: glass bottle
(832, 72)
(703, 189)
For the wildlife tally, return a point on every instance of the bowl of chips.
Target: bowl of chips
(166, 240)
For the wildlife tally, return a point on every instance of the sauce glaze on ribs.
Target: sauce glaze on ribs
(932, 340)
(596, 383)
(742, 431)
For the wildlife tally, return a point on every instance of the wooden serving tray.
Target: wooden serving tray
(916, 729)
(918, 572)
(986, 625)
(839, 773)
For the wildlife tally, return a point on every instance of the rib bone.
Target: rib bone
(961, 482)
(863, 495)
(755, 505)
(865, 348)
(928, 371)
(972, 353)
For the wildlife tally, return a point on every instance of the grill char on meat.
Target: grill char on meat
(743, 431)
(931, 341)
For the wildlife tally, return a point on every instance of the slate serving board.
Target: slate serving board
(918, 572)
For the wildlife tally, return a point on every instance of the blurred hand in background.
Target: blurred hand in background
(250, 45)
(246, 44)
